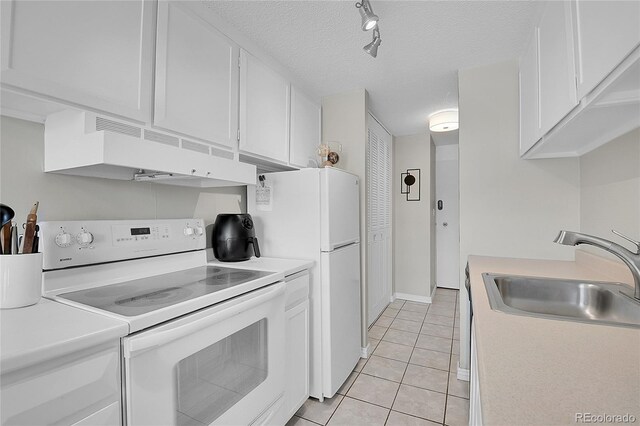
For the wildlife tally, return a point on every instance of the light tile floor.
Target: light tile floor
(410, 378)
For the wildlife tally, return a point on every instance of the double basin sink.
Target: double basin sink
(568, 300)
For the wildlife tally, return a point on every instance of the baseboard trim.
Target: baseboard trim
(364, 352)
(463, 373)
(413, 297)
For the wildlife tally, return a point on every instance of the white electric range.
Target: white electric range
(205, 343)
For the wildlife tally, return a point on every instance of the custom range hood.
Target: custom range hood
(86, 144)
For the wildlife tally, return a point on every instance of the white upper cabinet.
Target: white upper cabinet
(557, 87)
(97, 54)
(196, 85)
(529, 123)
(264, 110)
(607, 31)
(305, 130)
(579, 86)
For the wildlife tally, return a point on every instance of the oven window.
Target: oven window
(212, 380)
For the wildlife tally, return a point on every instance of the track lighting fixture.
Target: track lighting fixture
(372, 48)
(369, 19)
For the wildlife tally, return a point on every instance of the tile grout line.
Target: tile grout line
(446, 400)
(406, 363)
(401, 379)
(344, 396)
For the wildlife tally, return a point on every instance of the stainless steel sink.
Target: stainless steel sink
(568, 300)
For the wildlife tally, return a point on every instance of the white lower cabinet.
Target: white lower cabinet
(475, 408)
(81, 388)
(297, 344)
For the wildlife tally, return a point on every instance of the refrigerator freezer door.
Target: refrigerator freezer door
(340, 316)
(340, 208)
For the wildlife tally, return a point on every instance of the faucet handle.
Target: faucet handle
(631, 240)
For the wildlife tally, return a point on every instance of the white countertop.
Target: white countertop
(286, 266)
(541, 371)
(48, 330)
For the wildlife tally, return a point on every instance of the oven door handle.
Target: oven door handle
(169, 333)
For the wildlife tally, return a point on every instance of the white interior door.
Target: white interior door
(447, 218)
(379, 264)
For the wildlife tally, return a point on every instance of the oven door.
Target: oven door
(221, 365)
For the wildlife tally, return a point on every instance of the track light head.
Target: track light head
(372, 48)
(369, 19)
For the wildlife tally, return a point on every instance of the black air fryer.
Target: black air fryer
(234, 238)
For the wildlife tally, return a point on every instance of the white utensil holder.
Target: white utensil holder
(20, 280)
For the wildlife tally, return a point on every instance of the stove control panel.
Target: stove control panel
(75, 243)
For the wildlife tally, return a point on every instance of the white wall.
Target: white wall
(62, 197)
(344, 120)
(412, 269)
(508, 206)
(610, 190)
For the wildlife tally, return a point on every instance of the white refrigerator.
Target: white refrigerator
(314, 214)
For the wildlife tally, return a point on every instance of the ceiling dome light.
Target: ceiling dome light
(372, 48)
(369, 19)
(444, 121)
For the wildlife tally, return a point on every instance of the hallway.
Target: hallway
(410, 378)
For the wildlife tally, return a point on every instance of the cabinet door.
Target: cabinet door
(529, 124)
(556, 65)
(607, 31)
(297, 377)
(97, 54)
(196, 77)
(83, 388)
(264, 110)
(305, 130)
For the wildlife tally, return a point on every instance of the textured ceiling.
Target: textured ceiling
(424, 43)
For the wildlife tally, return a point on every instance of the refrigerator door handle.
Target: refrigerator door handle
(339, 246)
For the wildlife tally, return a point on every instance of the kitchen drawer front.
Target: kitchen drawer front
(297, 290)
(66, 390)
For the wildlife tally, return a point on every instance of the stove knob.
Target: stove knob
(199, 230)
(63, 239)
(188, 231)
(84, 238)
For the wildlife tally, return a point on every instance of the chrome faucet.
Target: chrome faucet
(631, 259)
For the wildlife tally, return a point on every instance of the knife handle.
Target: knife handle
(29, 234)
(6, 238)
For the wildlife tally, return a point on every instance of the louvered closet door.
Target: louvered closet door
(379, 160)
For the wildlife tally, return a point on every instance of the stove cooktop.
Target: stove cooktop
(141, 296)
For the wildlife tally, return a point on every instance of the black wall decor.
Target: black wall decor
(410, 184)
